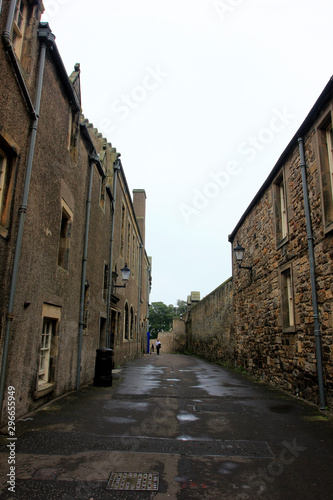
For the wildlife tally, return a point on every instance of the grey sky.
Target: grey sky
(200, 97)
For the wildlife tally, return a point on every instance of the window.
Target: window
(325, 147)
(19, 24)
(126, 322)
(281, 221)
(122, 236)
(49, 345)
(132, 323)
(86, 305)
(105, 282)
(102, 193)
(65, 235)
(3, 169)
(128, 242)
(7, 177)
(288, 318)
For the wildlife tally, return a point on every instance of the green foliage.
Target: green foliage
(161, 316)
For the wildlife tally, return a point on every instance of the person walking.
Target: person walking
(158, 346)
(152, 348)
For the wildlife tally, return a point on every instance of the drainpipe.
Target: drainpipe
(93, 158)
(46, 38)
(147, 311)
(7, 40)
(139, 300)
(116, 169)
(317, 331)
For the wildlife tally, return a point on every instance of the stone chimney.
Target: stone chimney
(139, 203)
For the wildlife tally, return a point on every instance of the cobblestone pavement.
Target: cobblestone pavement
(202, 431)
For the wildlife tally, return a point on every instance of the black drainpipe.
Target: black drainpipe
(93, 159)
(116, 170)
(46, 38)
(317, 331)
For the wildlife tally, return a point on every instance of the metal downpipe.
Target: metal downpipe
(116, 169)
(317, 331)
(92, 159)
(45, 36)
(139, 300)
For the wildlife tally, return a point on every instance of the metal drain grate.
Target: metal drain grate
(133, 481)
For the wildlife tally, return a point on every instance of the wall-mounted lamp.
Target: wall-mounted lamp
(125, 274)
(239, 252)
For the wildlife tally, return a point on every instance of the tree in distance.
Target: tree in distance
(161, 316)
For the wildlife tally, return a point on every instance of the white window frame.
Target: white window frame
(283, 209)
(19, 25)
(288, 306)
(3, 171)
(329, 141)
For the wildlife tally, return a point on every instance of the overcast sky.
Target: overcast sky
(200, 97)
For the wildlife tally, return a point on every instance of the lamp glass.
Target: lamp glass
(239, 252)
(125, 273)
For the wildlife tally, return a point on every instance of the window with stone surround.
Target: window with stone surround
(49, 346)
(65, 236)
(325, 146)
(3, 170)
(105, 282)
(8, 159)
(280, 210)
(287, 296)
(19, 26)
(122, 234)
(126, 322)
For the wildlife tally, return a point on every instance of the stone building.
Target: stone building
(274, 317)
(65, 230)
(283, 306)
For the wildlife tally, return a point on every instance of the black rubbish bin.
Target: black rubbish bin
(103, 367)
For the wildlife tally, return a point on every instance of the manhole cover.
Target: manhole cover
(133, 481)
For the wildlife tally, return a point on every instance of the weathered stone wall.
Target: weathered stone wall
(209, 325)
(179, 330)
(285, 356)
(167, 342)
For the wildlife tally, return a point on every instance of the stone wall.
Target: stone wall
(209, 326)
(277, 349)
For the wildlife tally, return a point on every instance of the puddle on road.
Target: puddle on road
(120, 420)
(126, 405)
(187, 417)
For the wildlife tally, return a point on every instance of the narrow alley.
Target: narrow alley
(184, 428)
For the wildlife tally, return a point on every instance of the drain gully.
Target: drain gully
(133, 481)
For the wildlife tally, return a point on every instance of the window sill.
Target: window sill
(4, 233)
(43, 390)
(328, 228)
(289, 329)
(281, 243)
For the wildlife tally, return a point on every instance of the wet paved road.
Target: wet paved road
(208, 432)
